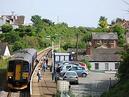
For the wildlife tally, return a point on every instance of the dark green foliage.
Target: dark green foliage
(11, 37)
(121, 33)
(67, 45)
(123, 71)
(103, 22)
(6, 28)
(121, 89)
(18, 45)
(87, 63)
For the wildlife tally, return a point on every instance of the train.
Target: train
(20, 68)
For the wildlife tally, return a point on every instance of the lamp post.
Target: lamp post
(53, 64)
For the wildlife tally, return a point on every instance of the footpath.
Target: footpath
(46, 87)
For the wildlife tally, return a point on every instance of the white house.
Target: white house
(104, 59)
(4, 50)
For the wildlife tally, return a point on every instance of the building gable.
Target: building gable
(4, 50)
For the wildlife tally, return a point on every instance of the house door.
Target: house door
(106, 66)
(18, 72)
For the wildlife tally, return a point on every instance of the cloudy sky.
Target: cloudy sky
(73, 12)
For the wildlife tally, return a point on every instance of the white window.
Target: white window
(96, 66)
(106, 66)
(116, 65)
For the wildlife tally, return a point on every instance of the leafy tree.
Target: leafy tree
(18, 45)
(11, 37)
(124, 66)
(87, 38)
(31, 41)
(103, 22)
(36, 19)
(121, 33)
(25, 30)
(47, 21)
(37, 23)
(6, 28)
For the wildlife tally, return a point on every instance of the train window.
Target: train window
(25, 67)
(11, 66)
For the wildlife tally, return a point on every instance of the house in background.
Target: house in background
(81, 54)
(14, 20)
(4, 50)
(127, 38)
(104, 59)
(125, 24)
(107, 40)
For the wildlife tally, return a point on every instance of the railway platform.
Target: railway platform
(46, 87)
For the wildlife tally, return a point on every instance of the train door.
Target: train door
(18, 72)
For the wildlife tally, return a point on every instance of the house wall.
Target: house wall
(107, 43)
(1, 22)
(111, 65)
(7, 52)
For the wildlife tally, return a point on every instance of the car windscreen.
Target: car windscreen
(70, 74)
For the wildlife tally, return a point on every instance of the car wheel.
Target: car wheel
(84, 75)
(77, 82)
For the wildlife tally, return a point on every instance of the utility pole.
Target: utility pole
(77, 36)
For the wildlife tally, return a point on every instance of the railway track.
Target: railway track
(25, 93)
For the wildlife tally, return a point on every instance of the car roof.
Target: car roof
(70, 72)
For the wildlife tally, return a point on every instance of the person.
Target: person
(39, 75)
(58, 69)
(46, 61)
(44, 66)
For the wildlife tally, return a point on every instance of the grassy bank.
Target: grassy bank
(119, 90)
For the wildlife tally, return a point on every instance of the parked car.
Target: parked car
(83, 65)
(65, 68)
(81, 71)
(71, 76)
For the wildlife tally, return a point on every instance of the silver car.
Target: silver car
(71, 76)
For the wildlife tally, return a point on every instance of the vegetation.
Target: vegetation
(43, 32)
(3, 63)
(36, 35)
(122, 87)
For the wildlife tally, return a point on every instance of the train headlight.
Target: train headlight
(10, 77)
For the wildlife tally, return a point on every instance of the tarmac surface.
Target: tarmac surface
(46, 87)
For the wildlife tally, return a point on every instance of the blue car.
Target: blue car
(81, 71)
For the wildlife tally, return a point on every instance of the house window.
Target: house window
(106, 66)
(111, 41)
(105, 41)
(96, 66)
(116, 65)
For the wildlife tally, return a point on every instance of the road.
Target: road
(94, 84)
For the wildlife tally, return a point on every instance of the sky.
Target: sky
(73, 12)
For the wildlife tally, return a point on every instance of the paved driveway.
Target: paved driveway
(94, 84)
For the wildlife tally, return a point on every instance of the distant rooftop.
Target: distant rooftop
(104, 35)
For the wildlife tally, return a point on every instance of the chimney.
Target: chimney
(88, 51)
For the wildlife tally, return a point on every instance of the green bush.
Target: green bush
(87, 63)
(3, 63)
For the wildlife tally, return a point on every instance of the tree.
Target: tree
(18, 45)
(47, 21)
(36, 19)
(11, 37)
(123, 71)
(103, 22)
(37, 22)
(6, 28)
(86, 38)
(121, 33)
